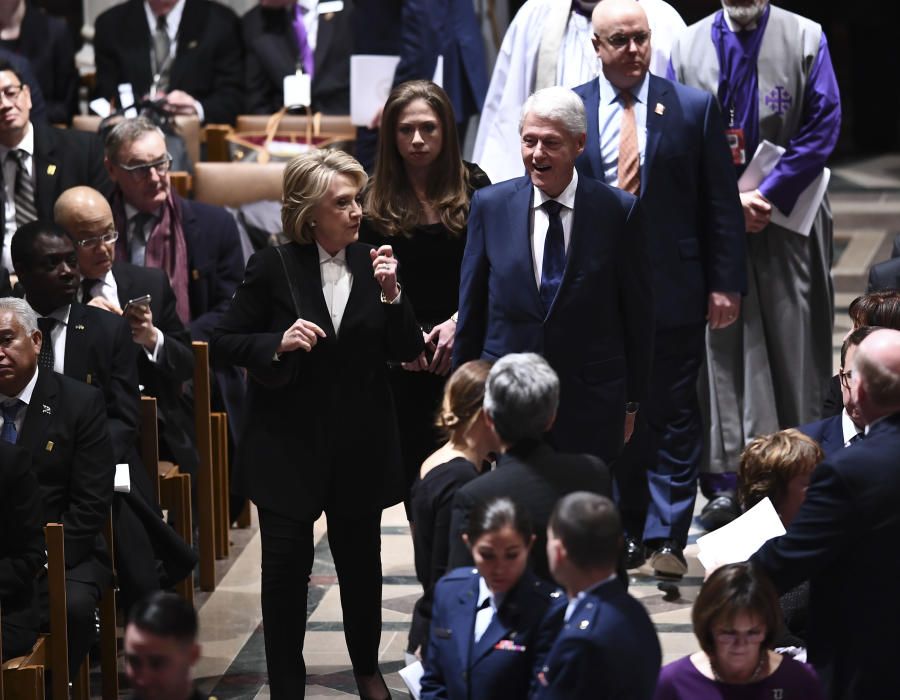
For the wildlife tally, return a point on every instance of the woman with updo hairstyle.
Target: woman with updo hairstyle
(469, 440)
(315, 323)
(483, 638)
(418, 203)
(736, 618)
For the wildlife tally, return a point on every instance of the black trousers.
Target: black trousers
(287, 559)
(82, 599)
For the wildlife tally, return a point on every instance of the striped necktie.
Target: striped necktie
(26, 210)
(629, 155)
(162, 48)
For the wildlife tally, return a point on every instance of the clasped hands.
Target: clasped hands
(757, 211)
(303, 334)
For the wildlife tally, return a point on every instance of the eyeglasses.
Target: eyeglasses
(96, 241)
(620, 41)
(731, 637)
(141, 171)
(12, 92)
(845, 377)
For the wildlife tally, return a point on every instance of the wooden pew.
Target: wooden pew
(205, 484)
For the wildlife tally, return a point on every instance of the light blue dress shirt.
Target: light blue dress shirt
(609, 117)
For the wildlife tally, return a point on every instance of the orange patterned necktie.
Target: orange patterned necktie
(629, 155)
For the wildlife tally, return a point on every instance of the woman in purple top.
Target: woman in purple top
(736, 617)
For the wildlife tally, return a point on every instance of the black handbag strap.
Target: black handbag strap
(295, 296)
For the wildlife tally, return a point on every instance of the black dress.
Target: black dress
(431, 505)
(430, 258)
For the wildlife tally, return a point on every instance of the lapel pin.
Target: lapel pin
(49, 446)
(88, 379)
(51, 169)
(79, 326)
(192, 44)
(660, 108)
(46, 411)
(195, 274)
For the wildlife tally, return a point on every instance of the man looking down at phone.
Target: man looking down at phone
(144, 297)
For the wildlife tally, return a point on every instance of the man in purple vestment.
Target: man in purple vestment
(772, 75)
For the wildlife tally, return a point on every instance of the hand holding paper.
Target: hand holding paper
(741, 538)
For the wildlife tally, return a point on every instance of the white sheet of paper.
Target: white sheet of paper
(100, 106)
(122, 480)
(370, 83)
(297, 90)
(738, 540)
(412, 676)
(804, 212)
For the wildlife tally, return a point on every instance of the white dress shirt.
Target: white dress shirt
(25, 397)
(848, 427)
(58, 336)
(485, 614)
(337, 281)
(609, 118)
(576, 601)
(10, 170)
(541, 222)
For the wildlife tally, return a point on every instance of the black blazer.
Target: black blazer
(72, 457)
(164, 380)
(21, 546)
(535, 476)
(326, 438)
(45, 41)
(208, 61)
(848, 524)
(63, 158)
(884, 275)
(272, 53)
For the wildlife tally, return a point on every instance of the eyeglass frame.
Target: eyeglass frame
(639, 38)
(845, 377)
(95, 241)
(731, 637)
(20, 88)
(141, 171)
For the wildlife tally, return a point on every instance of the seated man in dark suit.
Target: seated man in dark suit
(167, 360)
(607, 645)
(283, 37)
(886, 275)
(21, 536)
(849, 524)
(187, 53)
(520, 401)
(61, 423)
(836, 432)
(54, 159)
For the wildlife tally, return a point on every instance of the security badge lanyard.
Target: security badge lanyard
(735, 137)
(733, 134)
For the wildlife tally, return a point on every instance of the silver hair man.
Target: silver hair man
(126, 132)
(22, 311)
(521, 397)
(557, 104)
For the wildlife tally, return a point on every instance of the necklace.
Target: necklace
(757, 673)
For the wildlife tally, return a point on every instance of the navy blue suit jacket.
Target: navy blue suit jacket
(689, 196)
(598, 333)
(458, 668)
(828, 432)
(848, 524)
(884, 275)
(607, 649)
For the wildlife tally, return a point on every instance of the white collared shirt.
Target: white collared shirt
(10, 170)
(173, 21)
(58, 336)
(848, 428)
(609, 119)
(337, 280)
(541, 222)
(485, 615)
(576, 601)
(25, 397)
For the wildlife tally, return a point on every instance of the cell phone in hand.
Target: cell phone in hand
(140, 301)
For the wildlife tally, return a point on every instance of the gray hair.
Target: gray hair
(23, 312)
(127, 132)
(521, 396)
(558, 104)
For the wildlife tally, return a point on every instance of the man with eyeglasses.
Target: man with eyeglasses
(771, 73)
(665, 143)
(37, 161)
(166, 360)
(548, 43)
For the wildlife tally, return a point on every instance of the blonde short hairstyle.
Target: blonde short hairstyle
(306, 180)
(769, 462)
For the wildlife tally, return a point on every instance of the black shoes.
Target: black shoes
(718, 512)
(668, 561)
(634, 553)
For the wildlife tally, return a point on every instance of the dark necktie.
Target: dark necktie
(305, 50)
(856, 438)
(45, 359)
(554, 254)
(137, 246)
(162, 46)
(86, 286)
(629, 153)
(10, 411)
(26, 211)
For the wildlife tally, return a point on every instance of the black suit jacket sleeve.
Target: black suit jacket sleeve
(177, 361)
(122, 395)
(91, 481)
(822, 531)
(459, 554)
(473, 290)
(636, 299)
(21, 523)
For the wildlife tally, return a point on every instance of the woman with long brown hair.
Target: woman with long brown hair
(418, 203)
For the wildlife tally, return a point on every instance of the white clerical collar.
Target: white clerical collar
(25, 395)
(26, 144)
(566, 197)
(848, 427)
(609, 93)
(324, 255)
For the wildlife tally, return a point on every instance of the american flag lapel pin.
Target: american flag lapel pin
(660, 108)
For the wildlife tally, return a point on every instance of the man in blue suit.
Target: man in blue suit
(847, 427)
(886, 275)
(607, 645)
(666, 143)
(556, 264)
